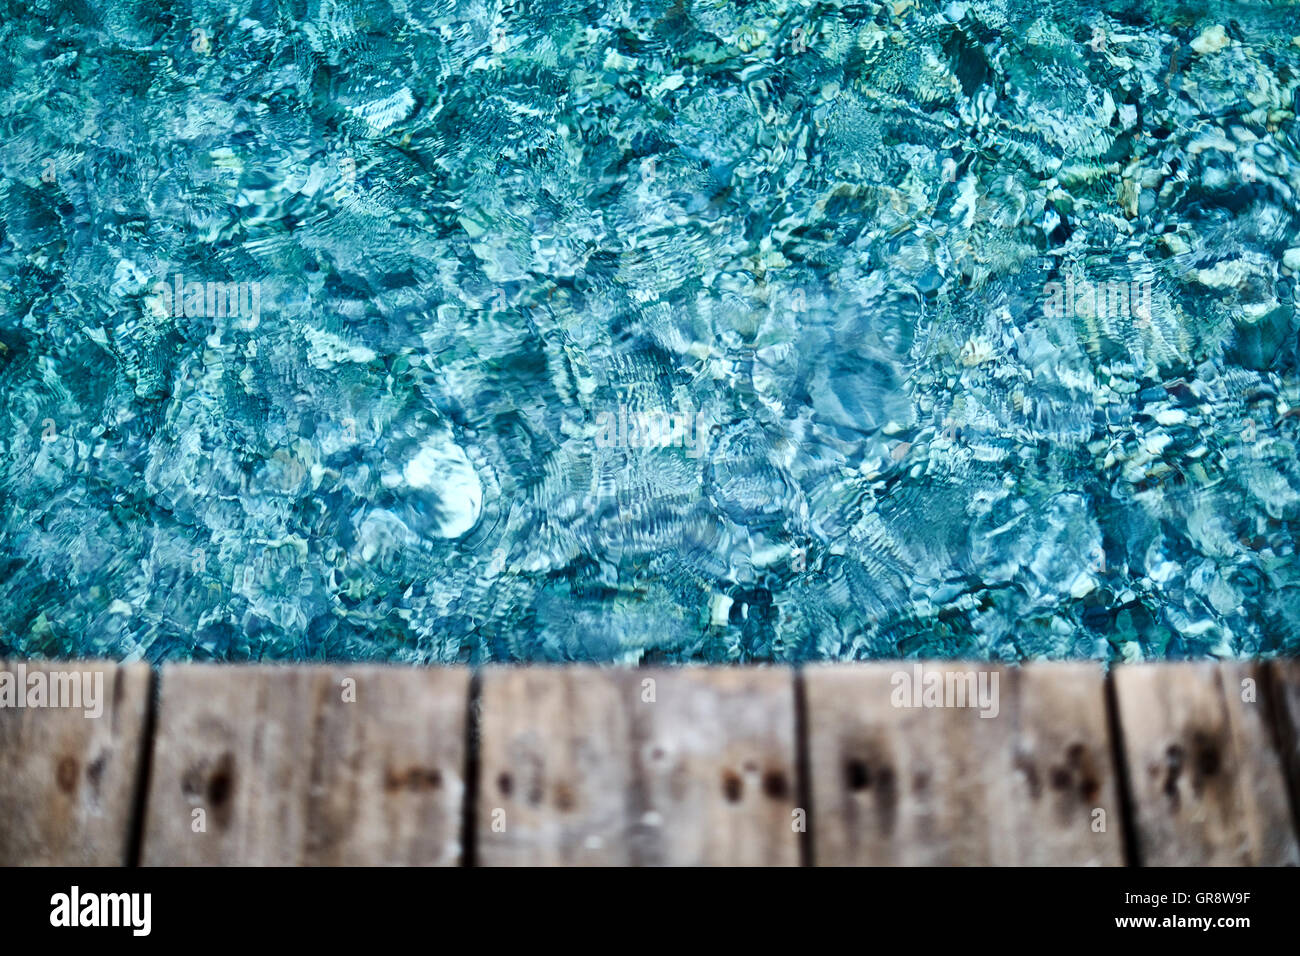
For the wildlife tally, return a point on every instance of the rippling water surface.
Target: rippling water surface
(438, 331)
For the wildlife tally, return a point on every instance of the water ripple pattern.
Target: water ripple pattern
(649, 331)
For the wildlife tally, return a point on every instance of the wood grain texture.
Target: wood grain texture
(67, 781)
(716, 759)
(1206, 777)
(919, 786)
(585, 765)
(1285, 683)
(287, 772)
(591, 766)
(554, 778)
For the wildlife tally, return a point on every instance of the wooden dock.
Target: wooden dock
(1153, 764)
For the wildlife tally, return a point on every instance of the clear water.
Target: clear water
(649, 331)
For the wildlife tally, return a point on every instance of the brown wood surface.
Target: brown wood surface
(589, 765)
(1286, 684)
(917, 785)
(1205, 772)
(67, 781)
(581, 766)
(285, 771)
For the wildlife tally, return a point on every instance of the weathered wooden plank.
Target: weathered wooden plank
(554, 779)
(894, 783)
(285, 766)
(1061, 791)
(717, 759)
(1286, 683)
(665, 767)
(67, 780)
(1205, 775)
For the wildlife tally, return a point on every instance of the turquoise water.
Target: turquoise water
(649, 331)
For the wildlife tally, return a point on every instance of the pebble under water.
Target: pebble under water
(649, 331)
